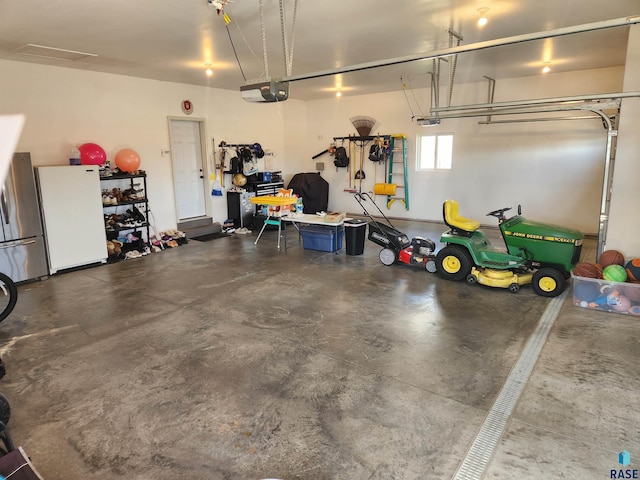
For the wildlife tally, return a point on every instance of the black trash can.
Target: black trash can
(355, 232)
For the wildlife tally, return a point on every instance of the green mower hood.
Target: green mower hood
(546, 243)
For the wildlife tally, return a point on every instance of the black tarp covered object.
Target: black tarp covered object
(313, 189)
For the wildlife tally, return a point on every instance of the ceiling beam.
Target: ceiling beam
(446, 52)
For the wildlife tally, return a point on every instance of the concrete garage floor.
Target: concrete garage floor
(227, 360)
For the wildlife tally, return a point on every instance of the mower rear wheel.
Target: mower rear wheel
(548, 282)
(387, 256)
(454, 263)
(431, 266)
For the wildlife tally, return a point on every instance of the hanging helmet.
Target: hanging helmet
(257, 150)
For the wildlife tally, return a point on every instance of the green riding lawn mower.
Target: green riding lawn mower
(538, 254)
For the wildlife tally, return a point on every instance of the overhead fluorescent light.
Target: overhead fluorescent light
(42, 51)
(267, 91)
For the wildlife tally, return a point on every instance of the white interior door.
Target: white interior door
(188, 173)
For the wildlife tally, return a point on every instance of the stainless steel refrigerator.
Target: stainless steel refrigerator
(22, 247)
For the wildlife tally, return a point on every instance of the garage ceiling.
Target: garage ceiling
(174, 40)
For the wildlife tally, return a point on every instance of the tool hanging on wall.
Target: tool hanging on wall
(360, 175)
(352, 152)
(214, 180)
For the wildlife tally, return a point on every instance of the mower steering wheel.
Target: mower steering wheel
(499, 214)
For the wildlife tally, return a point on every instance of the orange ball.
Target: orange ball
(127, 160)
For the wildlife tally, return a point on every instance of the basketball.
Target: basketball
(611, 257)
(633, 270)
(600, 269)
(588, 270)
(614, 273)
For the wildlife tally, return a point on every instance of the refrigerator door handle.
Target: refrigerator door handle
(18, 244)
(5, 211)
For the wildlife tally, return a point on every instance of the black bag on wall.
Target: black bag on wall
(341, 159)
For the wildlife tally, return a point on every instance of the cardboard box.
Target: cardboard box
(606, 296)
(334, 217)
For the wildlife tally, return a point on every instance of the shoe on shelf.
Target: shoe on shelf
(132, 254)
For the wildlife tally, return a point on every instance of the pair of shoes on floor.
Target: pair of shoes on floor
(175, 234)
(132, 254)
(243, 231)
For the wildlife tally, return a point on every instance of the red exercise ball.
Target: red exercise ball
(92, 154)
(127, 160)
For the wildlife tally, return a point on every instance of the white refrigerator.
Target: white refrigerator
(71, 204)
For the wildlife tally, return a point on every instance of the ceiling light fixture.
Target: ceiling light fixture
(208, 71)
(482, 21)
(546, 68)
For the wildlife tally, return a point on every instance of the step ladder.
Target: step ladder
(398, 157)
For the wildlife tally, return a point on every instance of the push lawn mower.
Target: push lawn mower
(396, 246)
(537, 253)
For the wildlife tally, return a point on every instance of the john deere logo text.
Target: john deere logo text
(540, 237)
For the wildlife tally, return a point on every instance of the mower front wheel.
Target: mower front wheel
(387, 256)
(548, 282)
(454, 263)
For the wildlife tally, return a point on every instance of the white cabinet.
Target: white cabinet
(71, 203)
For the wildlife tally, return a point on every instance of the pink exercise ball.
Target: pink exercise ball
(127, 160)
(92, 154)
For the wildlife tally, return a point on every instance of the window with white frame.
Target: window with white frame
(435, 152)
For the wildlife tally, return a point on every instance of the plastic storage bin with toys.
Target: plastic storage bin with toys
(611, 285)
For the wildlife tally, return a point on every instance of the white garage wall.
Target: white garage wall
(65, 106)
(554, 169)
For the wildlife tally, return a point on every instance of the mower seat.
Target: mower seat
(458, 224)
